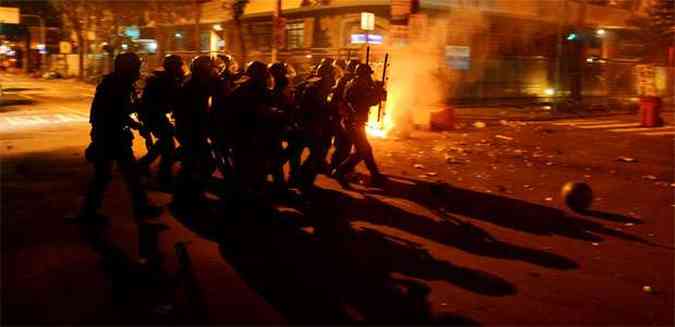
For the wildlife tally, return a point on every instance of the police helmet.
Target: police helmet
(364, 70)
(278, 69)
(325, 70)
(256, 70)
(352, 64)
(201, 64)
(127, 62)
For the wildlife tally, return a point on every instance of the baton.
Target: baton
(384, 76)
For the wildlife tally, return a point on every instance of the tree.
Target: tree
(238, 8)
(658, 26)
(167, 12)
(79, 17)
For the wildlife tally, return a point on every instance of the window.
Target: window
(295, 35)
(261, 34)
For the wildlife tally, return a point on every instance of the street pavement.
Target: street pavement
(471, 230)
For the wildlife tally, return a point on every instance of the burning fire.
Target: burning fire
(381, 128)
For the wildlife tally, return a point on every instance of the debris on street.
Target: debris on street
(506, 138)
(626, 159)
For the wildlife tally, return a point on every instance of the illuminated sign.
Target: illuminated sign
(367, 21)
(132, 32)
(458, 57)
(9, 15)
(372, 39)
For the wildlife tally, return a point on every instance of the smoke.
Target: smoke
(420, 81)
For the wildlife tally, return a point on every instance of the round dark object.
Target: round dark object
(578, 196)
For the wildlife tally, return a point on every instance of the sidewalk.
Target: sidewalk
(539, 113)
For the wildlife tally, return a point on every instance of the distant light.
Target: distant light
(367, 21)
(549, 91)
(308, 56)
(589, 60)
(152, 46)
(179, 35)
(125, 46)
(372, 38)
(572, 36)
(4, 49)
(41, 46)
(601, 32)
(217, 27)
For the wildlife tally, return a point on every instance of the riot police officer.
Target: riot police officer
(250, 121)
(315, 115)
(111, 138)
(361, 94)
(342, 143)
(192, 131)
(160, 96)
(282, 102)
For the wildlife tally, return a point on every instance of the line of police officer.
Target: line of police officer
(233, 122)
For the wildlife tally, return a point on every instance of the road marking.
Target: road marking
(659, 133)
(608, 126)
(51, 119)
(642, 129)
(586, 122)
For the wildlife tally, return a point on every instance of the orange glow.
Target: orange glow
(381, 129)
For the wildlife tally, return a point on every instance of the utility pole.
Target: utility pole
(276, 30)
(562, 21)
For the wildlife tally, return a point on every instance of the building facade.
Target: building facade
(490, 48)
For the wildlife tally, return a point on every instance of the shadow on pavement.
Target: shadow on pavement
(314, 267)
(141, 292)
(457, 233)
(611, 217)
(506, 212)
(13, 101)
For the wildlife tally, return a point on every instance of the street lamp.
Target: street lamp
(42, 37)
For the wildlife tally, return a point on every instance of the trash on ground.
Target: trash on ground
(628, 224)
(479, 124)
(647, 289)
(431, 173)
(506, 138)
(595, 243)
(549, 199)
(626, 159)
(649, 177)
(418, 166)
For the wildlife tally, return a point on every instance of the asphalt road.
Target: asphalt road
(471, 230)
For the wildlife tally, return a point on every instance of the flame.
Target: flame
(381, 128)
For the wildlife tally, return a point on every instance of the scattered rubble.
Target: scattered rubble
(626, 159)
(505, 138)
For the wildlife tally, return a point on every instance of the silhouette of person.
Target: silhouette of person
(111, 139)
(159, 98)
(361, 93)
